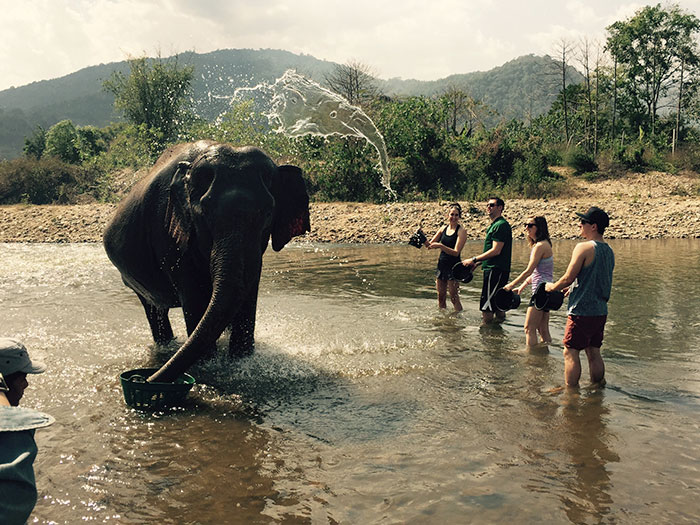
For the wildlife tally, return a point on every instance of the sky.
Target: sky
(424, 40)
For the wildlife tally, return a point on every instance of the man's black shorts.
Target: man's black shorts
(494, 279)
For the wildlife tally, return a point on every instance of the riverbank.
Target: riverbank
(641, 206)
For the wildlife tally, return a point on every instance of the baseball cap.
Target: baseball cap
(595, 215)
(14, 358)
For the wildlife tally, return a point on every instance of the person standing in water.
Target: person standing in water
(449, 240)
(589, 278)
(539, 269)
(495, 259)
(18, 493)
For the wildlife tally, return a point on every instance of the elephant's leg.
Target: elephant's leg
(158, 321)
(242, 341)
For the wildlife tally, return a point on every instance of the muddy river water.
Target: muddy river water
(363, 402)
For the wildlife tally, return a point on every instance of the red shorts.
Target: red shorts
(583, 331)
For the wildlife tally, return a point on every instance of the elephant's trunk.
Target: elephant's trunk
(231, 277)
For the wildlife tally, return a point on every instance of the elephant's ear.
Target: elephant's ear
(291, 206)
(178, 217)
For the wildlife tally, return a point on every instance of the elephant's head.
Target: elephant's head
(223, 208)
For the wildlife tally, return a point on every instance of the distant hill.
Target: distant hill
(521, 87)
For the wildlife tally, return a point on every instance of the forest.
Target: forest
(635, 107)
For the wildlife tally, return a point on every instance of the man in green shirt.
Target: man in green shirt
(495, 259)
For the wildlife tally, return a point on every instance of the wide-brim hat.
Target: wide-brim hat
(547, 300)
(505, 300)
(15, 358)
(462, 273)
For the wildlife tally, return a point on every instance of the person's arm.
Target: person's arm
(488, 254)
(583, 254)
(437, 235)
(535, 258)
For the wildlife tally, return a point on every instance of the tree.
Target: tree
(62, 142)
(35, 144)
(563, 50)
(354, 81)
(462, 112)
(654, 47)
(154, 94)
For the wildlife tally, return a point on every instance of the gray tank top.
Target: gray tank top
(591, 289)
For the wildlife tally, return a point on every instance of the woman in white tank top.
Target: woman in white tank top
(539, 268)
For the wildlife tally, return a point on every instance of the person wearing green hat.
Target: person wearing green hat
(589, 280)
(18, 449)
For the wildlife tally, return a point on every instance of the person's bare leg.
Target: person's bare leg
(453, 287)
(442, 293)
(596, 366)
(543, 328)
(572, 366)
(532, 321)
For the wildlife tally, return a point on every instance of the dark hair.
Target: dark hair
(456, 205)
(499, 201)
(542, 231)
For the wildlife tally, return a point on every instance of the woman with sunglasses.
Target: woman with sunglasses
(449, 240)
(540, 268)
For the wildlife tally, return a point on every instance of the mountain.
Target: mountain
(521, 88)
(524, 86)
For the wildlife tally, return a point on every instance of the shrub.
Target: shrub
(45, 181)
(580, 160)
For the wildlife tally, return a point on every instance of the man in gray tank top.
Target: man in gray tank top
(589, 278)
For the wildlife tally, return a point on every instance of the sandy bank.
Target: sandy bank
(641, 206)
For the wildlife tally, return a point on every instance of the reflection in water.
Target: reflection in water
(363, 403)
(584, 436)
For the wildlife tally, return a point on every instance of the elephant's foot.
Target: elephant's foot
(239, 350)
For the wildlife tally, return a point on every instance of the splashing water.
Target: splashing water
(299, 106)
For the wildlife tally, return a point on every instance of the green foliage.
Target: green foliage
(44, 181)
(61, 142)
(129, 146)
(343, 169)
(154, 94)
(581, 161)
(68, 143)
(35, 144)
(651, 45)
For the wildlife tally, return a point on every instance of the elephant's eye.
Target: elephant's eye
(200, 180)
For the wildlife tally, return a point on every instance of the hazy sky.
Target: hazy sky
(426, 40)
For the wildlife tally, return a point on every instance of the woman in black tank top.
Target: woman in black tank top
(449, 240)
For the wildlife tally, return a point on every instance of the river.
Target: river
(363, 402)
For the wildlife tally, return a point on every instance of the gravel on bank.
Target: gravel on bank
(641, 206)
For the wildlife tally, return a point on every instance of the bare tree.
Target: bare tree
(462, 112)
(562, 51)
(355, 81)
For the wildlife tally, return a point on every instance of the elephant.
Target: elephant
(193, 232)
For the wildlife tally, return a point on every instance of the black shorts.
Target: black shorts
(494, 279)
(444, 269)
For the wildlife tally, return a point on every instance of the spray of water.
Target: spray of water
(297, 106)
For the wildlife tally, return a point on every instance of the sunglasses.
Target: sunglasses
(529, 224)
(583, 221)
(491, 205)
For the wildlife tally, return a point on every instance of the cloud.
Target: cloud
(410, 38)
